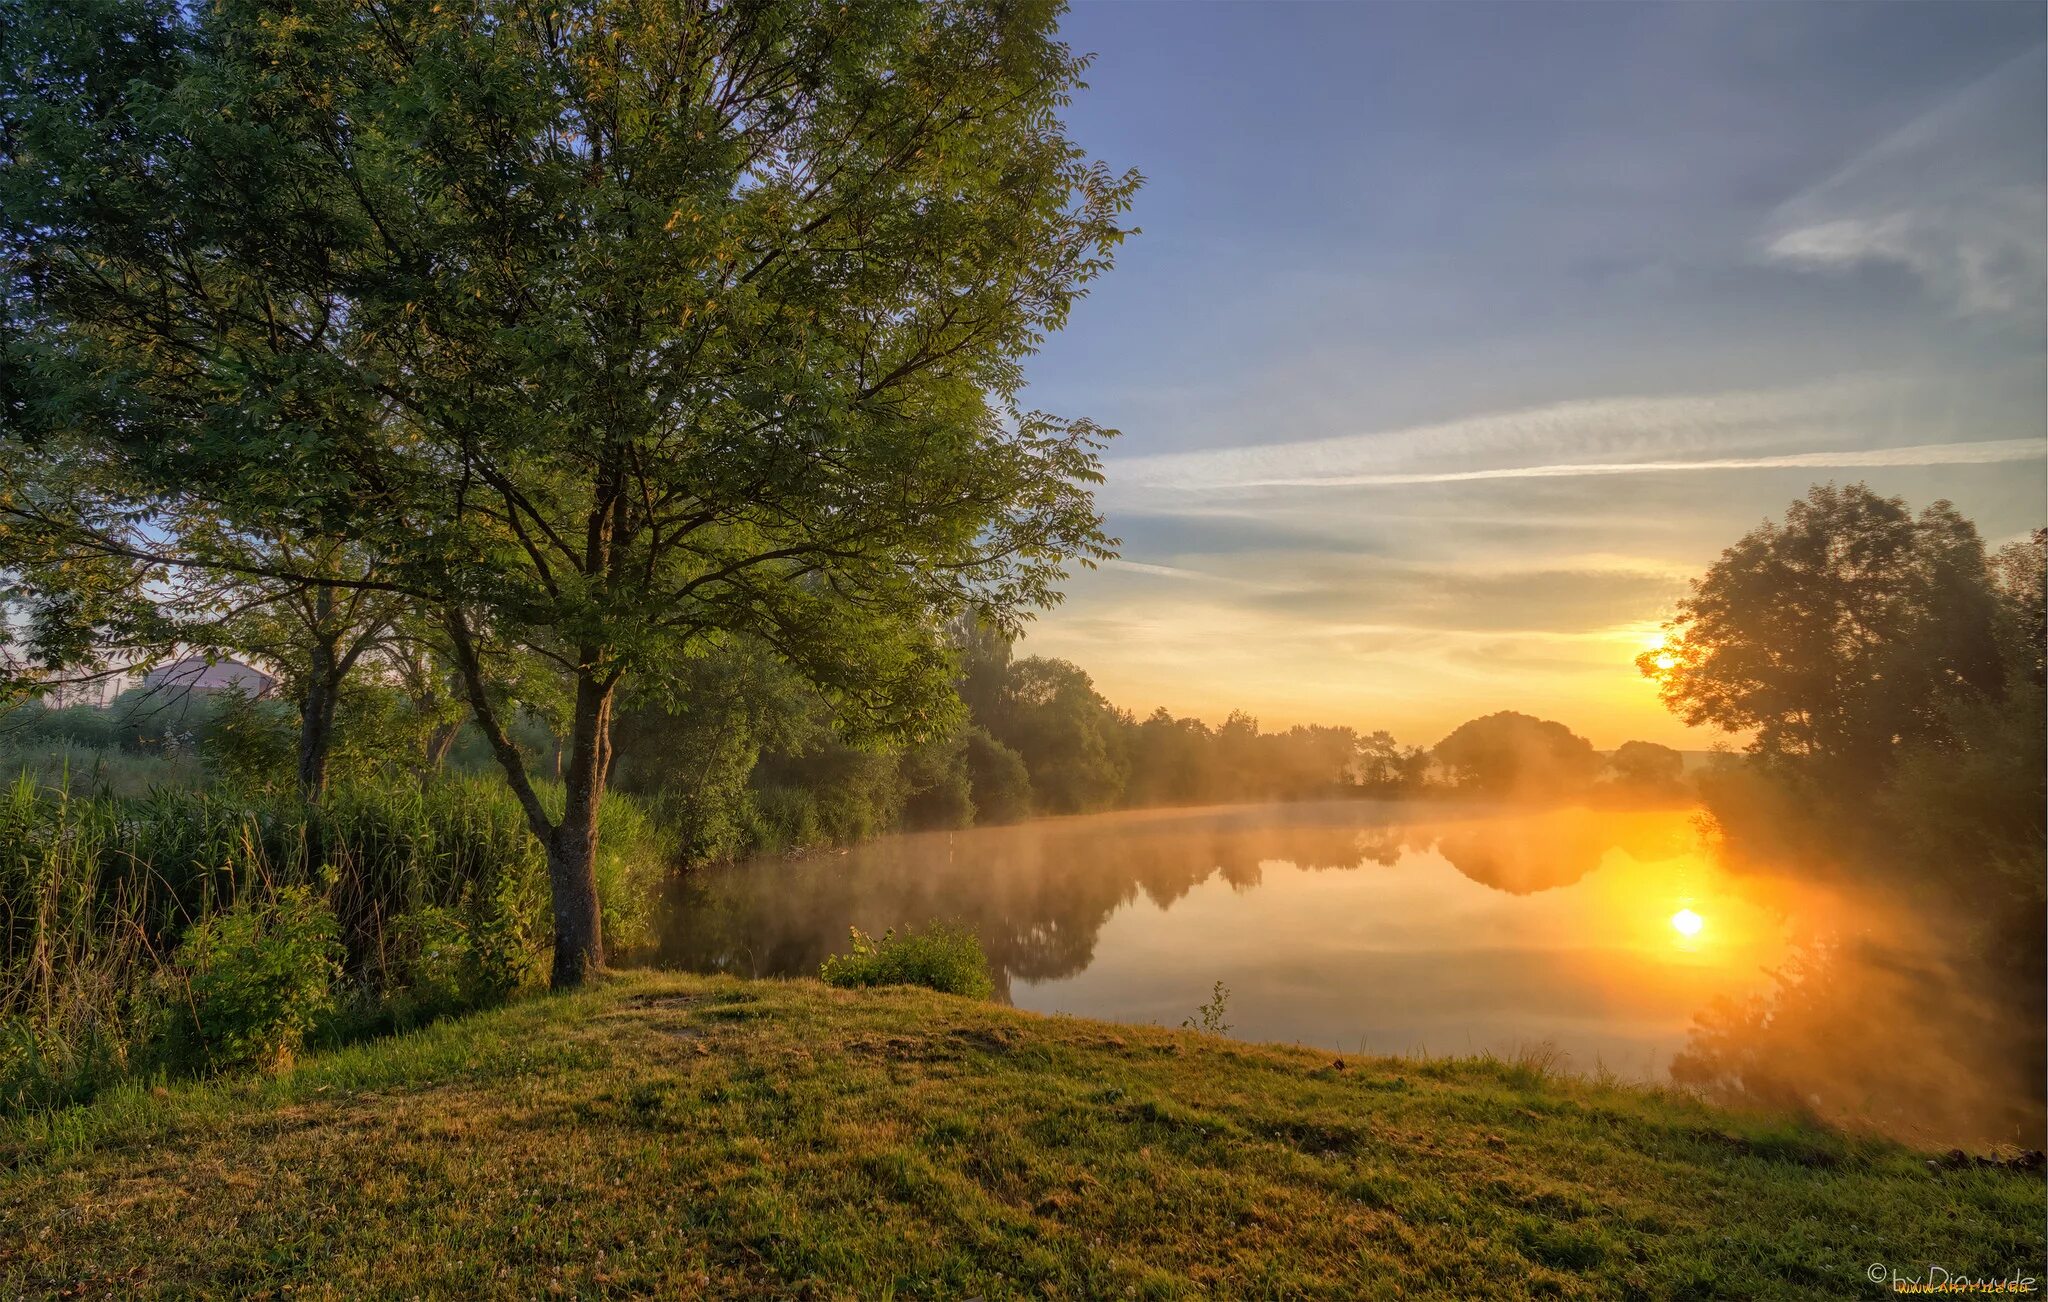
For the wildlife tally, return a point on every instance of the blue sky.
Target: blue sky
(1458, 336)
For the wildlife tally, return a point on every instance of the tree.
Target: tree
(101, 582)
(1647, 766)
(1837, 635)
(997, 781)
(1518, 755)
(1066, 734)
(605, 329)
(1385, 766)
(2019, 574)
(1172, 761)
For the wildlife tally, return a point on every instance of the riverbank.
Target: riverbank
(672, 1135)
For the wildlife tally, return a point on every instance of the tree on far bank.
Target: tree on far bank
(1517, 756)
(1647, 766)
(607, 331)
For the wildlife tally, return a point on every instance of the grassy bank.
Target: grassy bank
(690, 1136)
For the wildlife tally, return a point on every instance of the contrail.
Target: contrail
(1988, 452)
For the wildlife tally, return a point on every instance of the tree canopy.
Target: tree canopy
(1839, 633)
(610, 331)
(1517, 755)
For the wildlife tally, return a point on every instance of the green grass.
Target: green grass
(683, 1136)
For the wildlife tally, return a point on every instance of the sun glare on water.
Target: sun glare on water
(1687, 923)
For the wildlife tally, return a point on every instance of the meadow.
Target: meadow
(686, 1136)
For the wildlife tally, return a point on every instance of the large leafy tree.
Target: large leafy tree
(611, 330)
(1513, 754)
(1838, 634)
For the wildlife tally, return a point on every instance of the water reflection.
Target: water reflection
(1350, 925)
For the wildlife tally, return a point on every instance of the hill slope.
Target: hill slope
(708, 1137)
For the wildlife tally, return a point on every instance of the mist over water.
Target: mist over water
(1617, 936)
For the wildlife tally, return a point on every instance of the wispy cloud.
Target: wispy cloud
(1924, 454)
(1955, 197)
(1817, 426)
(1158, 571)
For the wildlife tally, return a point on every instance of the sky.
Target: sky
(1459, 337)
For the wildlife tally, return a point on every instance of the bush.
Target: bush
(249, 984)
(250, 744)
(433, 965)
(945, 958)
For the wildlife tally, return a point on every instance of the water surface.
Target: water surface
(1598, 935)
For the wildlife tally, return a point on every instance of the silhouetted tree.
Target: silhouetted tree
(1646, 766)
(1517, 755)
(1066, 733)
(1837, 635)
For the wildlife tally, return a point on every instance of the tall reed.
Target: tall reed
(97, 891)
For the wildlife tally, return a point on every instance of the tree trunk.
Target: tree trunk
(439, 742)
(571, 844)
(316, 719)
(572, 849)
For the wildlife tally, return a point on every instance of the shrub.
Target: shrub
(250, 744)
(945, 958)
(433, 966)
(250, 983)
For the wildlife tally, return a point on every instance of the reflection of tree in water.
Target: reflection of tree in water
(1541, 852)
(1038, 894)
(1879, 1034)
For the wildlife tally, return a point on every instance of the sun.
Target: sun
(1687, 923)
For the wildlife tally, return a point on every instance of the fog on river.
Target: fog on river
(1613, 937)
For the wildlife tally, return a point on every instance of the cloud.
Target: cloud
(1815, 426)
(1159, 571)
(1956, 197)
(1925, 454)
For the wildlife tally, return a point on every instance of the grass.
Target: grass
(684, 1136)
(98, 892)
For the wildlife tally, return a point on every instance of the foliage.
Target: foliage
(1892, 674)
(1647, 767)
(250, 744)
(997, 781)
(1209, 1016)
(251, 982)
(1518, 756)
(1835, 636)
(943, 957)
(95, 771)
(777, 296)
(438, 897)
(1068, 736)
(938, 789)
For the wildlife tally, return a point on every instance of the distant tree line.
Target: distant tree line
(741, 755)
(746, 760)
